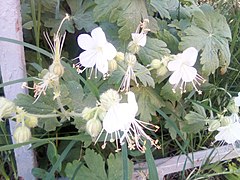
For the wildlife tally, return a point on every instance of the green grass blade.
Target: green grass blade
(30, 46)
(60, 159)
(125, 161)
(153, 174)
(16, 81)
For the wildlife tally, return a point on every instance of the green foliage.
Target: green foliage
(210, 33)
(174, 26)
(95, 167)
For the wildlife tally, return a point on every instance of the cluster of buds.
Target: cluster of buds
(160, 65)
(55, 70)
(23, 133)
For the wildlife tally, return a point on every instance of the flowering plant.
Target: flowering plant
(148, 65)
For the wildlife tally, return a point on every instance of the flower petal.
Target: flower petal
(139, 39)
(99, 36)
(237, 100)
(175, 77)
(174, 65)
(88, 58)
(188, 73)
(189, 56)
(101, 63)
(86, 42)
(109, 51)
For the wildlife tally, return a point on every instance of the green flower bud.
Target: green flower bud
(130, 59)
(156, 63)
(112, 65)
(88, 113)
(56, 68)
(133, 47)
(22, 134)
(93, 127)
(101, 114)
(109, 98)
(31, 121)
(214, 125)
(225, 120)
(162, 70)
(6, 108)
(119, 57)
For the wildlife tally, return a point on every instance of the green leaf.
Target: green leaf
(26, 101)
(95, 164)
(209, 33)
(144, 75)
(116, 167)
(53, 155)
(39, 173)
(104, 10)
(152, 168)
(60, 160)
(133, 12)
(149, 101)
(154, 49)
(82, 14)
(195, 120)
(171, 129)
(71, 169)
(168, 94)
(164, 6)
(49, 124)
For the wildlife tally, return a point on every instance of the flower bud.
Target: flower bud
(101, 114)
(31, 122)
(133, 47)
(93, 127)
(214, 125)
(225, 120)
(109, 98)
(22, 134)
(88, 113)
(162, 71)
(130, 59)
(56, 68)
(112, 65)
(6, 107)
(156, 63)
(119, 57)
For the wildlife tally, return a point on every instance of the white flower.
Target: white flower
(237, 100)
(183, 72)
(40, 88)
(230, 132)
(97, 50)
(120, 123)
(139, 38)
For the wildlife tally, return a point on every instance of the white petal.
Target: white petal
(117, 118)
(88, 58)
(102, 64)
(237, 100)
(109, 51)
(188, 73)
(86, 42)
(175, 77)
(99, 36)
(133, 106)
(189, 56)
(174, 65)
(139, 39)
